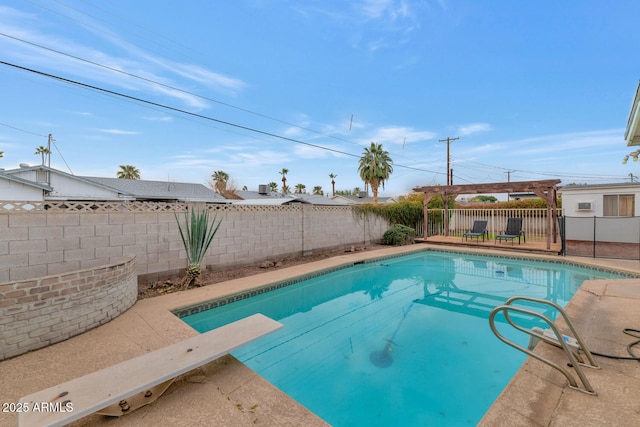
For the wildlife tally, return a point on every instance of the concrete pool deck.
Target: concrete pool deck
(227, 393)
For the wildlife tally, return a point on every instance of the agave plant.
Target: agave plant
(197, 235)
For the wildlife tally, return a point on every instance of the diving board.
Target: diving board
(121, 388)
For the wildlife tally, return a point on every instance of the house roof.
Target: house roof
(129, 188)
(280, 199)
(632, 134)
(571, 187)
(160, 189)
(357, 200)
(19, 180)
(271, 202)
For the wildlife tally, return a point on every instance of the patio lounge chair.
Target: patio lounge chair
(479, 230)
(513, 231)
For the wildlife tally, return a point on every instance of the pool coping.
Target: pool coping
(225, 390)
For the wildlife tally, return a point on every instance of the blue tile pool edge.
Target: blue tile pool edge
(206, 305)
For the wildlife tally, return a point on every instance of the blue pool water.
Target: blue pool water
(402, 341)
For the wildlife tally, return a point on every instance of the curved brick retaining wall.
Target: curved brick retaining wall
(39, 312)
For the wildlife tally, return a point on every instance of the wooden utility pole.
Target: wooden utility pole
(449, 176)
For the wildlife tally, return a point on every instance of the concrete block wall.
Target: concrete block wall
(35, 313)
(67, 237)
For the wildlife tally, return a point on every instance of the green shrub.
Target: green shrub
(399, 235)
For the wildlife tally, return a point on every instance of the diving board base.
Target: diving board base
(136, 382)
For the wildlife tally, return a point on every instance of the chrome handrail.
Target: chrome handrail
(586, 386)
(583, 346)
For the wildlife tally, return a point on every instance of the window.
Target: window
(619, 205)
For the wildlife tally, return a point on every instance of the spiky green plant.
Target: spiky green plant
(197, 235)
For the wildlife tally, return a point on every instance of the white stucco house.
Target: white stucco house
(41, 183)
(603, 220)
(601, 200)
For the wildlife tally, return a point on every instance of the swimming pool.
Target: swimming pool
(401, 341)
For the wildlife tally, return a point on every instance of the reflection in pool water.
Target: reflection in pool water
(403, 341)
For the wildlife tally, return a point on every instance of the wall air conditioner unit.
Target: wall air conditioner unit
(585, 206)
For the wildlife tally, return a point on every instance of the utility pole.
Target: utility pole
(508, 180)
(49, 150)
(449, 175)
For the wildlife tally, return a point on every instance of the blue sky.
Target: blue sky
(534, 90)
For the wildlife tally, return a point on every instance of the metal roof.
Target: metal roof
(160, 189)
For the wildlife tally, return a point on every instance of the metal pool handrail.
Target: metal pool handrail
(506, 308)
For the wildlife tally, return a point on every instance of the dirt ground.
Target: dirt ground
(211, 276)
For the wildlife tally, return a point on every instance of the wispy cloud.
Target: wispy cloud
(473, 128)
(128, 59)
(309, 152)
(118, 132)
(563, 142)
(400, 135)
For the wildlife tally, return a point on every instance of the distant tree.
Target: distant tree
(375, 167)
(273, 187)
(244, 188)
(284, 173)
(286, 189)
(220, 179)
(333, 177)
(300, 189)
(128, 172)
(42, 150)
(317, 190)
(343, 192)
(484, 199)
(356, 191)
(1, 154)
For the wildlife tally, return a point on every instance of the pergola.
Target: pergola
(545, 189)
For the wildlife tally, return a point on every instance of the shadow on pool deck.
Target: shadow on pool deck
(228, 393)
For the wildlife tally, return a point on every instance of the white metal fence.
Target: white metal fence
(534, 221)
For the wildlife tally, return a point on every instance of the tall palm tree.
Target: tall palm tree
(317, 190)
(286, 189)
(284, 173)
(128, 172)
(43, 151)
(333, 176)
(220, 180)
(375, 167)
(300, 188)
(273, 186)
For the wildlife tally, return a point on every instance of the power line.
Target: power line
(22, 130)
(245, 110)
(201, 116)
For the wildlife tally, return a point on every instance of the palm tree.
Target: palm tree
(333, 183)
(284, 173)
(42, 150)
(220, 179)
(317, 190)
(375, 167)
(273, 187)
(1, 154)
(286, 189)
(356, 191)
(128, 172)
(300, 188)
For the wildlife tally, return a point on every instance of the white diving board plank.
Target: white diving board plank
(93, 392)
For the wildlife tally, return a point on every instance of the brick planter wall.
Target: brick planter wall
(39, 312)
(617, 250)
